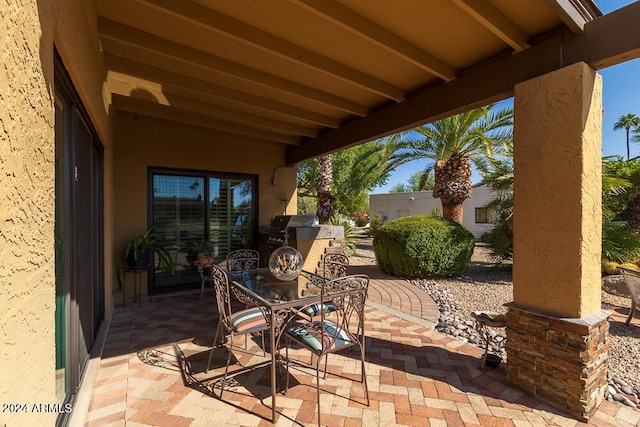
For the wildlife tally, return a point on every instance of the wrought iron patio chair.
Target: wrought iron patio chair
(344, 330)
(334, 266)
(632, 279)
(243, 260)
(243, 322)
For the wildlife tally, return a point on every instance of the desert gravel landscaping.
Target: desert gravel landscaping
(487, 287)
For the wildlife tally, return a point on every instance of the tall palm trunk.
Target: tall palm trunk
(627, 129)
(325, 199)
(452, 185)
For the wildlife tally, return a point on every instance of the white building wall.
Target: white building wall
(396, 205)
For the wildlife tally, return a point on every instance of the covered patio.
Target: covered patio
(152, 373)
(119, 115)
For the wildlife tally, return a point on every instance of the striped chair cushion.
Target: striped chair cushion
(248, 320)
(313, 335)
(315, 309)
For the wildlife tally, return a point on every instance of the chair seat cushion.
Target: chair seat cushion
(248, 320)
(314, 334)
(315, 309)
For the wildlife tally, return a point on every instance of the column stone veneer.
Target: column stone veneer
(557, 333)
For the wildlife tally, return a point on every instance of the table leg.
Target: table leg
(487, 339)
(274, 379)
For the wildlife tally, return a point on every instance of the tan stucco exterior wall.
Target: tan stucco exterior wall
(558, 187)
(75, 29)
(27, 286)
(28, 31)
(142, 143)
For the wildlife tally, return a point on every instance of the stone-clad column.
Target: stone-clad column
(557, 332)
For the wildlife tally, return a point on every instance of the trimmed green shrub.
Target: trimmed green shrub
(423, 246)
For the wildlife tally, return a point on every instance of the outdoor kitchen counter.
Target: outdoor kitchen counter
(315, 241)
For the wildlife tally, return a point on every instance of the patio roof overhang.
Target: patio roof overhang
(314, 76)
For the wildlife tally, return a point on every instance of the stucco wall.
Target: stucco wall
(28, 31)
(396, 205)
(75, 29)
(141, 143)
(27, 287)
(557, 191)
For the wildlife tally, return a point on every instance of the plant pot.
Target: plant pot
(493, 360)
(141, 259)
(205, 261)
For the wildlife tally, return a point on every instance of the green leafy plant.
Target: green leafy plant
(204, 252)
(376, 223)
(142, 246)
(350, 233)
(204, 248)
(361, 219)
(423, 246)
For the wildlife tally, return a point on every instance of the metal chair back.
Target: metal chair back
(632, 279)
(335, 265)
(242, 260)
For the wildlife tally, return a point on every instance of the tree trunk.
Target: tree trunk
(627, 128)
(451, 210)
(452, 185)
(325, 199)
(631, 213)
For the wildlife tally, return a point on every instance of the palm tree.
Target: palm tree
(498, 174)
(620, 241)
(451, 145)
(325, 199)
(627, 122)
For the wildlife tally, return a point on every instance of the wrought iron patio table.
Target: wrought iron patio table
(279, 301)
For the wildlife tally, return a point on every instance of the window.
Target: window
(189, 207)
(485, 216)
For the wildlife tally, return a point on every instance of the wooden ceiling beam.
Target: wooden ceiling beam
(237, 30)
(146, 107)
(357, 24)
(203, 131)
(143, 40)
(495, 21)
(137, 89)
(171, 80)
(606, 41)
(575, 13)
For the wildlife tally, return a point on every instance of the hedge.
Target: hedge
(423, 246)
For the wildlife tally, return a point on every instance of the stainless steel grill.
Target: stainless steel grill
(277, 235)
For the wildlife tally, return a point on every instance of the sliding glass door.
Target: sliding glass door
(188, 208)
(79, 267)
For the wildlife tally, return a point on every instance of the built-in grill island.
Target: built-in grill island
(300, 232)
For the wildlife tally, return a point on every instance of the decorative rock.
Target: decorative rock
(628, 402)
(626, 389)
(461, 326)
(620, 382)
(619, 397)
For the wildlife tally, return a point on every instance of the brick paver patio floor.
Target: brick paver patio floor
(151, 373)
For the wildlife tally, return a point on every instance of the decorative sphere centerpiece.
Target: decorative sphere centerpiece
(285, 263)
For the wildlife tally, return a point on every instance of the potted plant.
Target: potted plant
(205, 253)
(140, 248)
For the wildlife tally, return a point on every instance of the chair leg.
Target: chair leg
(633, 310)
(318, 388)
(326, 361)
(286, 356)
(215, 340)
(226, 369)
(364, 375)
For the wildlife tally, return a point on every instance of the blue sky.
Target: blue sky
(620, 96)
